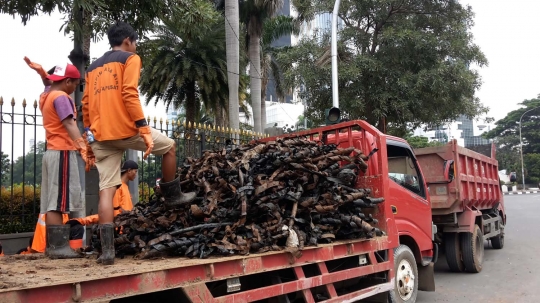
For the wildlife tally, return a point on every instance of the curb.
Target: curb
(522, 193)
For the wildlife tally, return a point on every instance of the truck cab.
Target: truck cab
(406, 196)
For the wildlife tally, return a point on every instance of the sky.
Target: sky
(506, 31)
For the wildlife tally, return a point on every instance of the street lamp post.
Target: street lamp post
(521, 147)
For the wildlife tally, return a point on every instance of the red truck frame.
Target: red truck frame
(339, 272)
(467, 202)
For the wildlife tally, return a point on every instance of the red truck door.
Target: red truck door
(408, 197)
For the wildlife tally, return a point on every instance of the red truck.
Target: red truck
(395, 265)
(466, 201)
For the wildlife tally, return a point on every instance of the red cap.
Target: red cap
(64, 71)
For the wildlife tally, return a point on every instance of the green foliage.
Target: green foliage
(19, 203)
(24, 166)
(5, 169)
(506, 134)
(420, 141)
(507, 129)
(149, 170)
(145, 192)
(185, 70)
(404, 63)
(141, 14)
(300, 123)
(532, 168)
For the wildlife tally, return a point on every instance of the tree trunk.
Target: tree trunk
(255, 79)
(191, 103)
(382, 125)
(220, 116)
(232, 32)
(264, 84)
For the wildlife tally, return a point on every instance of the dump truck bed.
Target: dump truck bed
(476, 183)
(34, 278)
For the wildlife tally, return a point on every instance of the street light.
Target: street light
(521, 147)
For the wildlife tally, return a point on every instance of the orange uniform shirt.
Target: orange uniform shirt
(121, 200)
(55, 133)
(111, 103)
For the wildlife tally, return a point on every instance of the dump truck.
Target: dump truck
(391, 267)
(466, 200)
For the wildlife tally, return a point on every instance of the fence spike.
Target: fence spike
(148, 119)
(160, 120)
(184, 123)
(189, 124)
(12, 101)
(35, 103)
(199, 125)
(24, 102)
(214, 128)
(1, 101)
(228, 130)
(155, 119)
(167, 122)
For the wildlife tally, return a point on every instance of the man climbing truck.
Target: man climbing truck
(466, 202)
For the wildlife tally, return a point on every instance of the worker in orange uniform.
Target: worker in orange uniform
(112, 112)
(60, 184)
(122, 198)
(1, 250)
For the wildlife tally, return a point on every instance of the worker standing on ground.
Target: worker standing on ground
(113, 113)
(60, 184)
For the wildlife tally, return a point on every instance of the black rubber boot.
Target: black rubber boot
(106, 235)
(58, 243)
(173, 195)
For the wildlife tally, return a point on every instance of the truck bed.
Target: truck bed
(476, 183)
(35, 278)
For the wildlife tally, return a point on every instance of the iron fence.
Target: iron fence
(22, 145)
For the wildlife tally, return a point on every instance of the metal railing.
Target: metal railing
(22, 145)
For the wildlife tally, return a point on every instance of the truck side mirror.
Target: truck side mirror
(448, 169)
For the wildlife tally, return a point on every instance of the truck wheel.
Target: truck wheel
(473, 250)
(406, 276)
(452, 248)
(497, 242)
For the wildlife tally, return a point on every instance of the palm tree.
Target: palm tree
(185, 70)
(232, 34)
(273, 29)
(254, 13)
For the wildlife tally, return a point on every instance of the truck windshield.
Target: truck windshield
(402, 169)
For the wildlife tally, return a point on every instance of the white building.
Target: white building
(282, 114)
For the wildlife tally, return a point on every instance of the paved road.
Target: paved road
(509, 275)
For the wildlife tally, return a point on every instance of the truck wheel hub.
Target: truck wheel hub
(405, 280)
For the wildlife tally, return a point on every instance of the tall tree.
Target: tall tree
(185, 70)
(254, 13)
(404, 63)
(507, 129)
(232, 36)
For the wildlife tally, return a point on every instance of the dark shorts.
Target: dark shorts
(60, 183)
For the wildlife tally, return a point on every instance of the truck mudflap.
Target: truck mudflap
(426, 277)
(317, 268)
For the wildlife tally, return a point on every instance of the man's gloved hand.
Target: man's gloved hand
(146, 134)
(90, 157)
(80, 144)
(37, 67)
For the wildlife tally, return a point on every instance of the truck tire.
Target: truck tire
(473, 250)
(406, 276)
(452, 249)
(497, 242)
